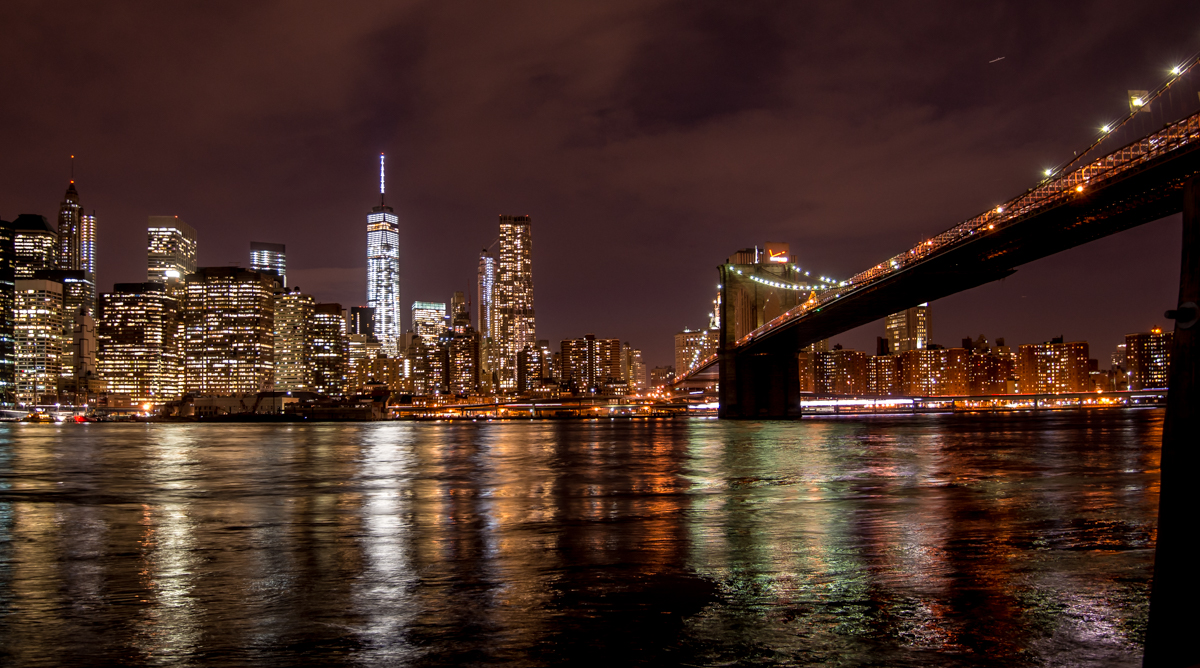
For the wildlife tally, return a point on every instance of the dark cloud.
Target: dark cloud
(648, 140)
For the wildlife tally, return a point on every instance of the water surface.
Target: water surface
(1005, 540)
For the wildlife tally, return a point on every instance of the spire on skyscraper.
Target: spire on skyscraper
(381, 199)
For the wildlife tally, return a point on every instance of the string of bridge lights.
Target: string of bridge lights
(824, 283)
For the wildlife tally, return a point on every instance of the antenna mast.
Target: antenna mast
(381, 202)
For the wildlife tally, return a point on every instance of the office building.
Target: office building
(87, 242)
(269, 259)
(1053, 367)
(1148, 359)
(293, 341)
(170, 249)
(462, 360)
(633, 370)
(910, 329)
(428, 319)
(328, 331)
(692, 346)
(77, 250)
(8, 287)
(535, 367)
(486, 321)
(139, 342)
(69, 232)
(229, 331)
(928, 372)
(35, 245)
(661, 376)
(515, 323)
(37, 329)
(361, 321)
(589, 363)
(383, 270)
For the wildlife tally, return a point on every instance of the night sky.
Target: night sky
(648, 140)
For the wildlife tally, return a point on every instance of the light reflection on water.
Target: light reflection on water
(953, 540)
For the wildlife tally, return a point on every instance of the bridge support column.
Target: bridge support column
(760, 385)
(1175, 592)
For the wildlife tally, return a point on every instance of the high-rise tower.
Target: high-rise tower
(170, 249)
(269, 259)
(69, 232)
(383, 270)
(486, 320)
(909, 329)
(513, 298)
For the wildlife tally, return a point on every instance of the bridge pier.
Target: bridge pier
(1175, 591)
(760, 385)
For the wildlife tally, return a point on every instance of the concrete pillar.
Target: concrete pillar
(1175, 592)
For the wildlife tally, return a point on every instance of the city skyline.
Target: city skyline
(444, 196)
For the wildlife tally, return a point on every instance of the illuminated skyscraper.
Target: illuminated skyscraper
(692, 346)
(77, 249)
(1148, 359)
(269, 259)
(170, 248)
(35, 245)
(429, 320)
(229, 331)
(909, 329)
(37, 325)
(293, 341)
(139, 337)
(486, 320)
(589, 363)
(8, 359)
(328, 331)
(362, 321)
(69, 233)
(383, 270)
(514, 319)
(87, 242)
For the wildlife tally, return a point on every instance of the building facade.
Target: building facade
(1053, 367)
(329, 354)
(910, 329)
(1148, 359)
(229, 331)
(383, 270)
(35, 245)
(692, 346)
(515, 322)
(293, 341)
(589, 363)
(8, 287)
(37, 328)
(269, 258)
(170, 249)
(429, 319)
(139, 342)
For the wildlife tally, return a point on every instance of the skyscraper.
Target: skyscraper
(293, 341)
(383, 270)
(8, 353)
(514, 319)
(269, 259)
(429, 320)
(37, 325)
(1148, 358)
(486, 320)
(69, 232)
(139, 337)
(35, 245)
(909, 329)
(229, 338)
(77, 250)
(362, 321)
(170, 249)
(328, 330)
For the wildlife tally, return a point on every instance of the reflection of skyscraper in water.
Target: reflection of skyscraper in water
(514, 319)
(383, 270)
(909, 329)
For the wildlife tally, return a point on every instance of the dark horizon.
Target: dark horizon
(647, 141)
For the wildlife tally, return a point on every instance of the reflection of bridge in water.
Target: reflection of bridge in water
(756, 362)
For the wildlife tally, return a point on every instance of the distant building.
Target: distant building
(229, 331)
(383, 270)
(293, 346)
(327, 329)
(661, 376)
(429, 319)
(910, 329)
(633, 369)
(77, 246)
(840, 371)
(269, 259)
(692, 346)
(35, 245)
(933, 372)
(883, 375)
(139, 342)
(1148, 359)
(589, 363)
(362, 321)
(514, 319)
(37, 325)
(534, 364)
(1053, 367)
(8, 287)
(171, 249)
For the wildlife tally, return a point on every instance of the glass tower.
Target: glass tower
(170, 249)
(514, 316)
(269, 259)
(383, 270)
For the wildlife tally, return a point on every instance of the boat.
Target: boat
(39, 417)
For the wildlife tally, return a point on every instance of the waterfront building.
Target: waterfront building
(991, 370)
(293, 341)
(360, 350)
(35, 245)
(87, 242)
(910, 329)
(513, 294)
(139, 339)
(840, 371)
(328, 331)
(692, 346)
(534, 367)
(170, 249)
(429, 319)
(77, 248)
(589, 363)
(269, 259)
(633, 370)
(229, 331)
(486, 321)
(388, 371)
(1053, 367)
(932, 372)
(883, 375)
(1148, 359)
(37, 329)
(462, 360)
(661, 376)
(420, 379)
(8, 287)
(383, 270)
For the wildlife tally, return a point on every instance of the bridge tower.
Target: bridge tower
(757, 286)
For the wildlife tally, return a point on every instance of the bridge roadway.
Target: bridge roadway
(1135, 184)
